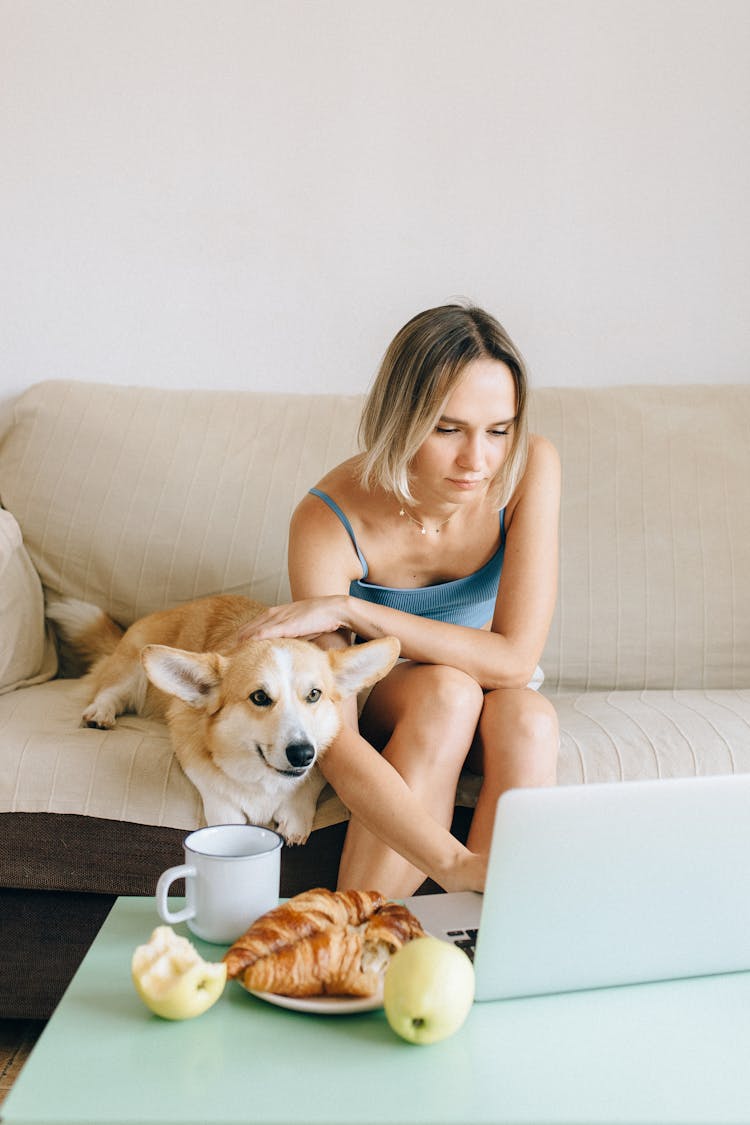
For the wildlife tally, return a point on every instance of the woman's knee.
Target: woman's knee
(444, 696)
(528, 716)
(519, 738)
(424, 705)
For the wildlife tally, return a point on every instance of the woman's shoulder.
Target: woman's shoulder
(342, 488)
(542, 455)
(541, 475)
(329, 521)
(343, 480)
(342, 492)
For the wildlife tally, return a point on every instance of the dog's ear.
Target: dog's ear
(194, 677)
(359, 666)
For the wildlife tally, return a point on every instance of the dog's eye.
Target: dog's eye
(314, 695)
(260, 699)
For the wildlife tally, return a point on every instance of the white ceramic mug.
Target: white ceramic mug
(232, 875)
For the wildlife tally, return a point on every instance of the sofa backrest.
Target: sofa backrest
(139, 498)
(654, 536)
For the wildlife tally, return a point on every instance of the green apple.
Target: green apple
(428, 990)
(172, 979)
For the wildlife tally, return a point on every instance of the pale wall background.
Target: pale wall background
(258, 193)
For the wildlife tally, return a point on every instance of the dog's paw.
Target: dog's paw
(293, 838)
(294, 829)
(102, 718)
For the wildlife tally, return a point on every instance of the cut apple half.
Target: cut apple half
(172, 979)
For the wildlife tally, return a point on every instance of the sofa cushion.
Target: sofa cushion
(27, 654)
(654, 537)
(51, 765)
(637, 735)
(137, 499)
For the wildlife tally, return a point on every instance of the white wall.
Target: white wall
(258, 193)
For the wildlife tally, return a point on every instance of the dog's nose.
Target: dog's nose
(300, 754)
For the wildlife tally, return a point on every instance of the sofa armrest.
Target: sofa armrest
(27, 652)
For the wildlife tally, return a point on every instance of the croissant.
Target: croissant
(342, 960)
(299, 918)
(327, 963)
(393, 925)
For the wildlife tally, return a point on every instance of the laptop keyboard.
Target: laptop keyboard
(464, 939)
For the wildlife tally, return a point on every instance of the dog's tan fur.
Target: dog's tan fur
(243, 719)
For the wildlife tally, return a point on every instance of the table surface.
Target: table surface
(674, 1052)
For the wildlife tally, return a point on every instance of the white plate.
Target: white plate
(323, 1005)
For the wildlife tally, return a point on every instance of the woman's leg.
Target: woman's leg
(424, 718)
(517, 745)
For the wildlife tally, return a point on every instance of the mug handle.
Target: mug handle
(184, 871)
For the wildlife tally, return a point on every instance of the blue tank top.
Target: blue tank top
(461, 601)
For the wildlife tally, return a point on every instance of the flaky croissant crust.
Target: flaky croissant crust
(323, 943)
(392, 925)
(300, 917)
(328, 963)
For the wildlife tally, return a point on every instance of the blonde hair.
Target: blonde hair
(423, 364)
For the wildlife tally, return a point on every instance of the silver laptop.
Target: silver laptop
(607, 884)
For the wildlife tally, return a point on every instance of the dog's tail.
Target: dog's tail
(84, 629)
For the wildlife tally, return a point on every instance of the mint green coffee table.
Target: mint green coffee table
(672, 1053)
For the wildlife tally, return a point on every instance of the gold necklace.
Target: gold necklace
(421, 526)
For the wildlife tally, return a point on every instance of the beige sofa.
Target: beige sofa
(137, 499)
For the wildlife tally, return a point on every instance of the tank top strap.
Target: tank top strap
(349, 529)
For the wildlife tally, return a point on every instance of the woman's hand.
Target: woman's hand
(305, 619)
(468, 874)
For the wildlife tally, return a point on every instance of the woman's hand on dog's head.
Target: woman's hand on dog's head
(305, 620)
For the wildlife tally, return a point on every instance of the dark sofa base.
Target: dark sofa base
(60, 875)
(66, 852)
(44, 937)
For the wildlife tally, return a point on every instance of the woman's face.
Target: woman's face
(471, 439)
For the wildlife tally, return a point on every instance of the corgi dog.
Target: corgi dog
(248, 722)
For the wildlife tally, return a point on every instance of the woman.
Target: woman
(443, 533)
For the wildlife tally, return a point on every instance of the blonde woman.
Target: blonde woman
(443, 533)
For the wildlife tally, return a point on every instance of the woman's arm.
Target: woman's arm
(504, 656)
(382, 801)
